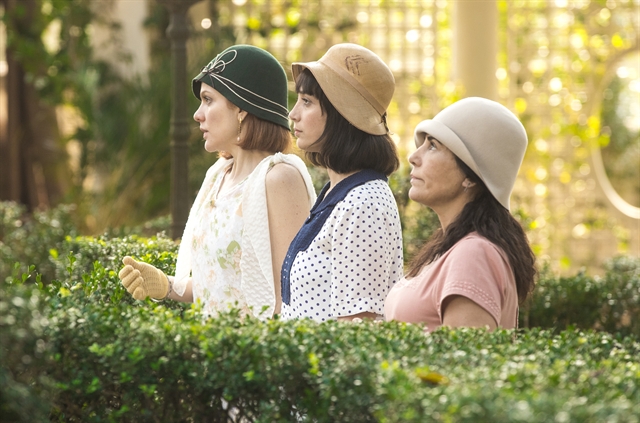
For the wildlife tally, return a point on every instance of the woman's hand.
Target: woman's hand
(143, 280)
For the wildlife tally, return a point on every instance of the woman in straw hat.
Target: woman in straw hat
(478, 266)
(253, 199)
(348, 253)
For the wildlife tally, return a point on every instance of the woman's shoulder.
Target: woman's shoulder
(283, 172)
(371, 190)
(475, 244)
(376, 191)
(290, 159)
(288, 173)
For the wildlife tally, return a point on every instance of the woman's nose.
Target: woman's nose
(293, 114)
(413, 158)
(197, 116)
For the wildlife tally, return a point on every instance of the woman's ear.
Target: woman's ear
(467, 184)
(242, 114)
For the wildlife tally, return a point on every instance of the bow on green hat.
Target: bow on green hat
(252, 79)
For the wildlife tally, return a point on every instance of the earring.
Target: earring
(239, 128)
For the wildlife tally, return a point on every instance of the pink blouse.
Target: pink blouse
(473, 268)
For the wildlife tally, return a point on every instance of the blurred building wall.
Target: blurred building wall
(132, 37)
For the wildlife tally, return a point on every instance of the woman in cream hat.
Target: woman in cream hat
(478, 266)
(348, 253)
(253, 199)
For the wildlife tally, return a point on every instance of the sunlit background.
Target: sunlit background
(569, 69)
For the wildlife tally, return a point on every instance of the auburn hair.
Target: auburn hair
(260, 134)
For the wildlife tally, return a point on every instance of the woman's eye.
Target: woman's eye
(432, 145)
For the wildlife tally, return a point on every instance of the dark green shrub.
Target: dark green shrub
(77, 255)
(28, 238)
(610, 303)
(123, 363)
(25, 388)
(621, 311)
(111, 358)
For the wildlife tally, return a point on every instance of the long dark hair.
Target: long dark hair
(343, 147)
(486, 216)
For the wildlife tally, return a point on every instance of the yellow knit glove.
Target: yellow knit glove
(143, 280)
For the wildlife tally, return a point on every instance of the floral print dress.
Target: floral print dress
(216, 249)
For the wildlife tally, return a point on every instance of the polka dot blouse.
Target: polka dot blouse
(353, 262)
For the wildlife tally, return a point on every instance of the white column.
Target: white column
(135, 39)
(476, 47)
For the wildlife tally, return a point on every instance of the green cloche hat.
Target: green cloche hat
(252, 79)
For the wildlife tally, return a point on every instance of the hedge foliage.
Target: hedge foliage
(610, 302)
(96, 361)
(48, 241)
(75, 347)
(25, 239)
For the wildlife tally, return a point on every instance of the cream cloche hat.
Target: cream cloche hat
(486, 136)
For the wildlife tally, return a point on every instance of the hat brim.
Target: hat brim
(196, 84)
(341, 95)
(448, 138)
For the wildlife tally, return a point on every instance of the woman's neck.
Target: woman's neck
(335, 178)
(449, 213)
(244, 162)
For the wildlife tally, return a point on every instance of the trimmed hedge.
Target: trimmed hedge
(25, 388)
(118, 362)
(610, 303)
(78, 348)
(47, 241)
(26, 239)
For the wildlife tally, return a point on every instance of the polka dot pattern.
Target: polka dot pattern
(354, 260)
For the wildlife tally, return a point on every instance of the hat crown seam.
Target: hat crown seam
(275, 103)
(222, 80)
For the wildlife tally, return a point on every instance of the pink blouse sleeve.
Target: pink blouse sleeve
(478, 270)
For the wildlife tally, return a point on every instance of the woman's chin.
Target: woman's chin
(412, 194)
(209, 148)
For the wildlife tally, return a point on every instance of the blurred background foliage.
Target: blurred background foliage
(569, 69)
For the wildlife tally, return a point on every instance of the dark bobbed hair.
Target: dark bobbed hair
(486, 216)
(343, 147)
(260, 134)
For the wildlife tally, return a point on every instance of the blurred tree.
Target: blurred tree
(50, 67)
(32, 165)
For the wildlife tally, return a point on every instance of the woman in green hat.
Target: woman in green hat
(253, 199)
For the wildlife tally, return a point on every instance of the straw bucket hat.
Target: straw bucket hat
(356, 82)
(486, 136)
